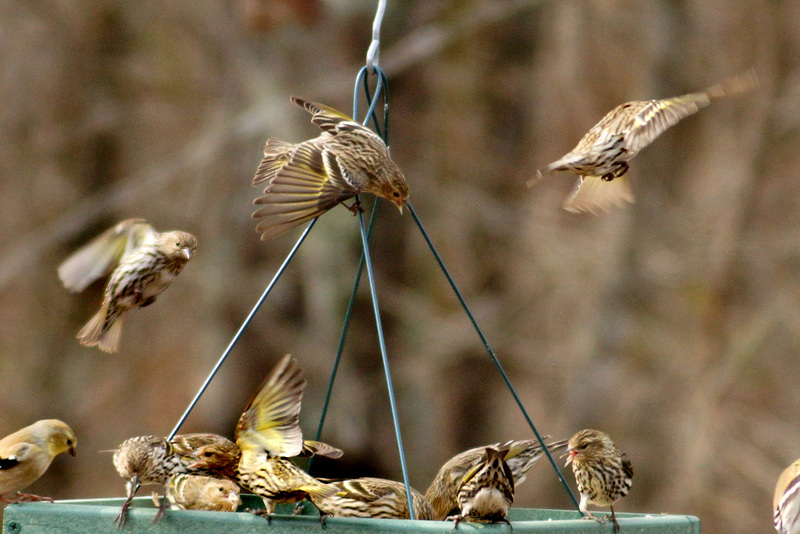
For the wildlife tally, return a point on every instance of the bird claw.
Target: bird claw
(261, 513)
(25, 497)
(355, 207)
(162, 507)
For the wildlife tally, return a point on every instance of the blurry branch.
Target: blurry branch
(418, 46)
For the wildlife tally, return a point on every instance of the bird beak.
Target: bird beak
(571, 453)
(72, 451)
(187, 253)
(400, 204)
(234, 498)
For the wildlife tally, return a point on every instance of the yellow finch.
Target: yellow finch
(487, 490)
(373, 497)
(521, 457)
(603, 473)
(786, 502)
(142, 263)
(268, 434)
(144, 460)
(26, 454)
(306, 179)
(601, 157)
(198, 492)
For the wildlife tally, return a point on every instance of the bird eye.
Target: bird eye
(396, 194)
(177, 244)
(208, 454)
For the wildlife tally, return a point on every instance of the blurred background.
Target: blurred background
(673, 325)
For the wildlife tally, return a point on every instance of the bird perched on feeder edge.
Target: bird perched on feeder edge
(603, 473)
(26, 454)
(199, 492)
(142, 263)
(601, 157)
(268, 435)
(304, 180)
(487, 490)
(522, 456)
(373, 497)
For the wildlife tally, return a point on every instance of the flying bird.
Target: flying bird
(142, 263)
(601, 157)
(304, 180)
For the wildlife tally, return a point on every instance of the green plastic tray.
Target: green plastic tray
(97, 515)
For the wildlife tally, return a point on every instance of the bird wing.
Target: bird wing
(99, 257)
(277, 153)
(328, 119)
(8, 463)
(593, 194)
(310, 184)
(656, 116)
(271, 419)
(318, 448)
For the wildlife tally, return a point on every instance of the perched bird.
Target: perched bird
(373, 497)
(144, 460)
(603, 473)
(306, 179)
(786, 502)
(601, 157)
(268, 435)
(26, 454)
(142, 263)
(198, 492)
(487, 490)
(521, 457)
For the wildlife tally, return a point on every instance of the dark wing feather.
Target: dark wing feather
(659, 115)
(8, 463)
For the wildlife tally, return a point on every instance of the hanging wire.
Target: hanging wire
(374, 51)
(241, 329)
(492, 356)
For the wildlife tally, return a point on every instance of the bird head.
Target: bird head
(588, 443)
(179, 245)
(59, 436)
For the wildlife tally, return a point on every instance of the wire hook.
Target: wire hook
(373, 53)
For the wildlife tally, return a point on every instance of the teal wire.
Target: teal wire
(491, 353)
(385, 359)
(241, 329)
(348, 314)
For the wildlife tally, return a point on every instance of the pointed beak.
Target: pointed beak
(400, 204)
(187, 253)
(234, 499)
(72, 451)
(571, 454)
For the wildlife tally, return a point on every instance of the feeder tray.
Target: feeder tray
(89, 516)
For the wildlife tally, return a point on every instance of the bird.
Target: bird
(268, 434)
(487, 490)
(603, 473)
(786, 502)
(141, 262)
(148, 459)
(373, 497)
(601, 157)
(26, 454)
(198, 492)
(522, 456)
(304, 180)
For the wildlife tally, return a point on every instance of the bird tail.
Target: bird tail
(735, 85)
(595, 195)
(103, 330)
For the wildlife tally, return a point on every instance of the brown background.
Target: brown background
(673, 325)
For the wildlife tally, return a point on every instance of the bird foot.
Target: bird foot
(122, 516)
(355, 207)
(261, 513)
(456, 519)
(620, 169)
(162, 506)
(25, 497)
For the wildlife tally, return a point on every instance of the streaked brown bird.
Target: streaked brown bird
(145, 460)
(306, 179)
(786, 502)
(26, 454)
(522, 456)
(487, 490)
(142, 263)
(603, 473)
(268, 435)
(198, 492)
(373, 497)
(601, 157)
